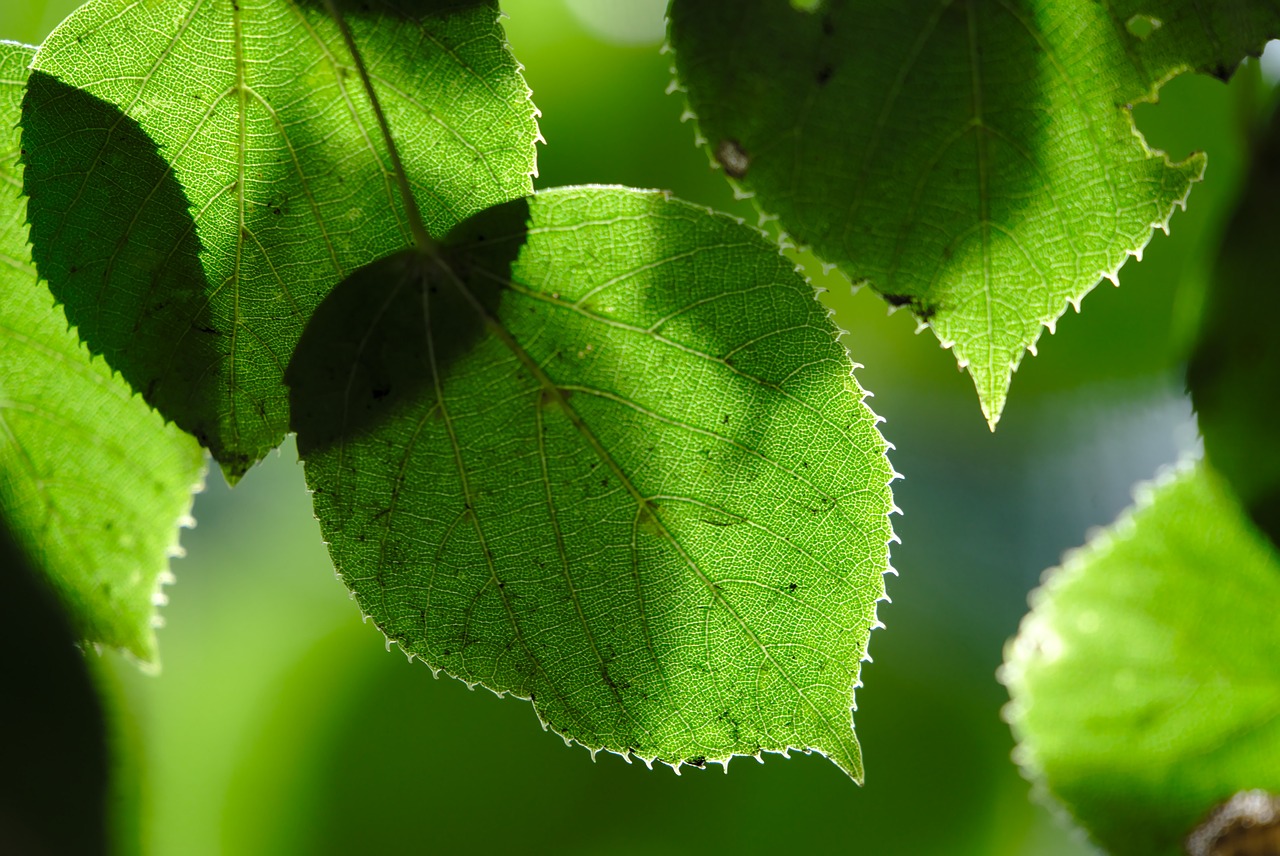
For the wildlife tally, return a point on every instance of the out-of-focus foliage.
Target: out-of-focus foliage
(1235, 371)
(1144, 681)
(53, 757)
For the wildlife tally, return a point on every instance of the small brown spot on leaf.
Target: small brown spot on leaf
(733, 158)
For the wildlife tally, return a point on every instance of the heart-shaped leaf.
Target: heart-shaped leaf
(605, 452)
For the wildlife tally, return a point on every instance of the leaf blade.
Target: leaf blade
(585, 480)
(92, 481)
(1130, 707)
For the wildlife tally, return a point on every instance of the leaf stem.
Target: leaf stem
(421, 237)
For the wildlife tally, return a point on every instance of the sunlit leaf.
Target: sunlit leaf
(1144, 681)
(202, 172)
(1236, 364)
(973, 161)
(606, 454)
(92, 482)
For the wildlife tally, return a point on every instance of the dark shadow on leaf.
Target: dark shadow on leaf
(113, 234)
(53, 777)
(389, 333)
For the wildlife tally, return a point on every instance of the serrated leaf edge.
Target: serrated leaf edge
(534, 112)
(165, 577)
(990, 413)
(173, 550)
(1034, 633)
(882, 597)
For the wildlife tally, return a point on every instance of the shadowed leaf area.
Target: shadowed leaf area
(201, 175)
(1129, 706)
(975, 161)
(360, 359)
(606, 453)
(120, 245)
(92, 481)
(1236, 366)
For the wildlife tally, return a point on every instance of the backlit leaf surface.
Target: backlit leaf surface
(608, 455)
(92, 482)
(974, 161)
(1144, 681)
(202, 172)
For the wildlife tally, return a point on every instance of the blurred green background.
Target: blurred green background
(281, 725)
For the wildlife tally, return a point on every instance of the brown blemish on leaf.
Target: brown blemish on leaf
(1248, 824)
(733, 159)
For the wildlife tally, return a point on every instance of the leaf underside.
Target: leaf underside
(606, 454)
(973, 161)
(201, 173)
(1144, 682)
(92, 482)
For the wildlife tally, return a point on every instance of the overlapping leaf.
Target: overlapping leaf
(1236, 365)
(974, 161)
(1144, 681)
(606, 453)
(92, 482)
(202, 172)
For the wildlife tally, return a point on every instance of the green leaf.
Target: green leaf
(202, 173)
(1144, 681)
(975, 162)
(1236, 363)
(606, 454)
(92, 482)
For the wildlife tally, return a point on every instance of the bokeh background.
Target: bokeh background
(280, 724)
